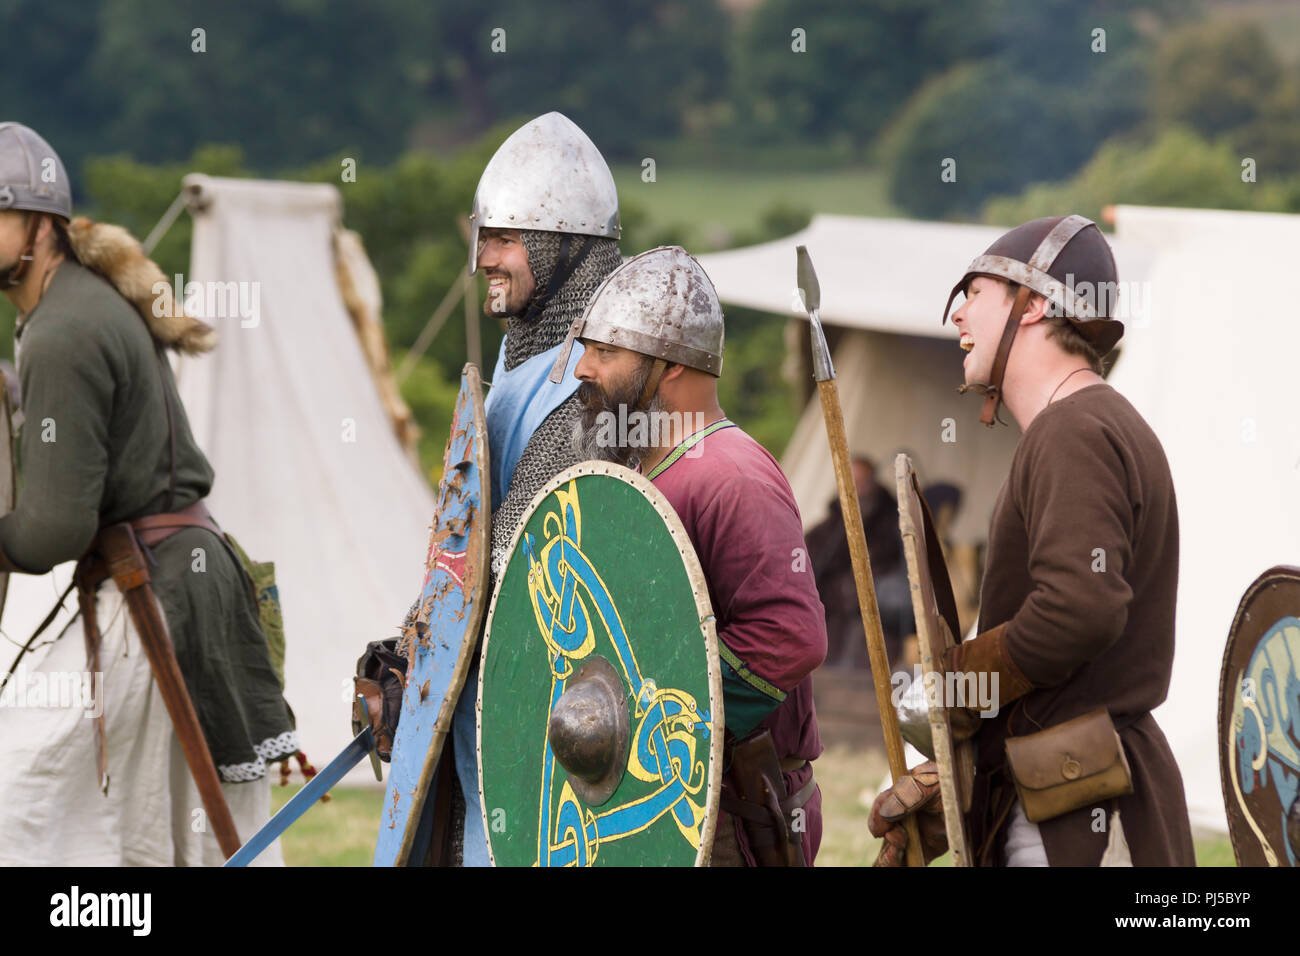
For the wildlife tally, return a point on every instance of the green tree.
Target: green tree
(976, 131)
(1214, 77)
(1050, 81)
(626, 72)
(47, 82)
(291, 80)
(860, 61)
(1272, 137)
(1179, 168)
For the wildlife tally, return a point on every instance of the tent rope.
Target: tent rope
(433, 326)
(165, 223)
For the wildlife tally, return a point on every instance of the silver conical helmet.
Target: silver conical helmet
(548, 175)
(660, 303)
(31, 174)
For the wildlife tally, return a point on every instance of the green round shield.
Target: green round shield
(600, 692)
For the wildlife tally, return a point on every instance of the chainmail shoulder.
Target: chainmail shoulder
(526, 339)
(548, 453)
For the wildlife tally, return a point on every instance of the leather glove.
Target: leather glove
(915, 793)
(381, 680)
(984, 654)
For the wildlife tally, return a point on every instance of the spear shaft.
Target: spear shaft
(832, 412)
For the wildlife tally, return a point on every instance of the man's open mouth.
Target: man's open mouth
(967, 341)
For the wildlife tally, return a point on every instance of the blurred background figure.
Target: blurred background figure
(828, 547)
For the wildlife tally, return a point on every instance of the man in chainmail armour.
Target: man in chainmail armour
(544, 231)
(550, 449)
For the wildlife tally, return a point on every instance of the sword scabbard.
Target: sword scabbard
(126, 564)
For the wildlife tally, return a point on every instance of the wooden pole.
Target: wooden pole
(829, 393)
(473, 340)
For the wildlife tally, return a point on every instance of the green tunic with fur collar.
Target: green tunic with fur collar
(94, 451)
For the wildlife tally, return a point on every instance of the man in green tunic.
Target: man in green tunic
(105, 440)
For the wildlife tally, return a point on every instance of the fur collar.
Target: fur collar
(116, 255)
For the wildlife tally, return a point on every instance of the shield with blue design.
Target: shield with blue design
(600, 691)
(1259, 722)
(451, 607)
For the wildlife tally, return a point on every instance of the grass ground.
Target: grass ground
(342, 832)
(714, 206)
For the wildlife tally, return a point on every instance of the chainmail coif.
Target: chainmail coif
(524, 339)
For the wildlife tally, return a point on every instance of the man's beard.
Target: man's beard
(596, 434)
(499, 307)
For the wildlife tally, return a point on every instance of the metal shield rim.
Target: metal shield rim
(1277, 573)
(470, 377)
(945, 751)
(708, 627)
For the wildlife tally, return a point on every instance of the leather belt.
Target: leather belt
(149, 531)
(754, 790)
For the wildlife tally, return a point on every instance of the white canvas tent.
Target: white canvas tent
(1214, 372)
(1205, 360)
(309, 471)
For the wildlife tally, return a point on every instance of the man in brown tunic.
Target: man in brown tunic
(1077, 603)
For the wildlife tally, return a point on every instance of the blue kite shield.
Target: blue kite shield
(451, 609)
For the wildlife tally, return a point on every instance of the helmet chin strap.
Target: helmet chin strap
(14, 276)
(993, 390)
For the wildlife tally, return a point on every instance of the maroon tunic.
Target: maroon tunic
(740, 515)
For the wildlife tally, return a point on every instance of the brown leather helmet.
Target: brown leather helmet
(1065, 259)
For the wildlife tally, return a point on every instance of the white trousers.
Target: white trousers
(51, 811)
(1024, 841)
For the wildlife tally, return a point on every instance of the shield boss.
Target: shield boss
(589, 731)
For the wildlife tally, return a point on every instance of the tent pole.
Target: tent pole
(472, 339)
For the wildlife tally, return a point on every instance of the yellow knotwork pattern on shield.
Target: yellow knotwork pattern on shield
(666, 723)
(568, 595)
(558, 628)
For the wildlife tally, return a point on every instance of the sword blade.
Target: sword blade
(317, 787)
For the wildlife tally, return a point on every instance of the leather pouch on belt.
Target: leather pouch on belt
(1071, 765)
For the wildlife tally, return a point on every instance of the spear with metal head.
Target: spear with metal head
(824, 373)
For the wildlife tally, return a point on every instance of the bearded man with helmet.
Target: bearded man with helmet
(653, 335)
(1076, 628)
(112, 476)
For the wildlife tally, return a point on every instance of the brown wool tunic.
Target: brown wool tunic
(1088, 483)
